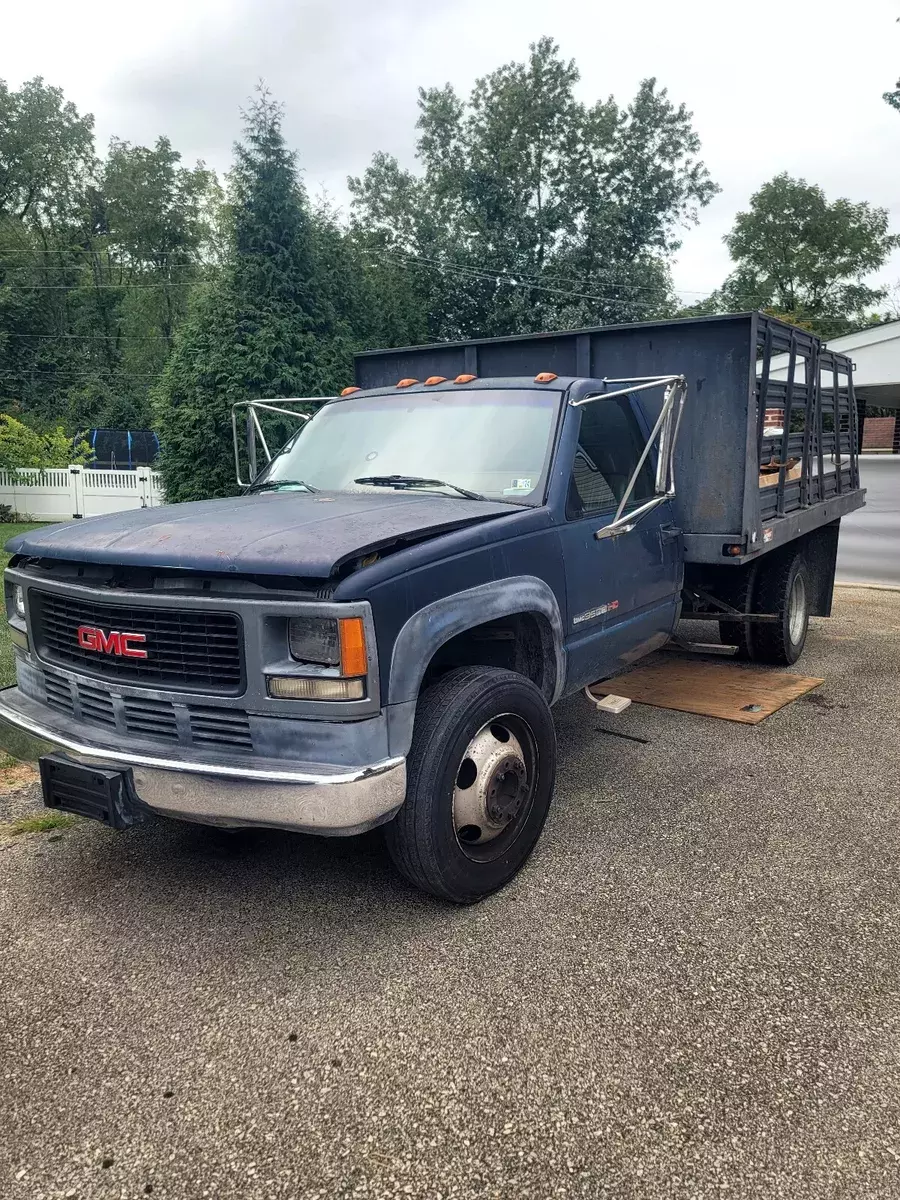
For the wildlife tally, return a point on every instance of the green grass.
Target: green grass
(42, 824)
(7, 671)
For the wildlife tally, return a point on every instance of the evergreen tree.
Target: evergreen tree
(263, 328)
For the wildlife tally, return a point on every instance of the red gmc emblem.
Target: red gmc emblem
(102, 642)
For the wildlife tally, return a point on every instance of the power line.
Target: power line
(118, 287)
(108, 267)
(603, 271)
(473, 273)
(93, 337)
(484, 272)
(409, 259)
(515, 276)
(54, 373)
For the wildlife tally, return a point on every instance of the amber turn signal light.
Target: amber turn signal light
(349, 391)
(464, 378)
(353, 646)
(407, 382)
(545, 377)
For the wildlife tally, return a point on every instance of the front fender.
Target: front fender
(429, 628)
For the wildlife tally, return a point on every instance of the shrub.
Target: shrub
(21, 446)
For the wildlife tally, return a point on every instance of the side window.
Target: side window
(609, 446)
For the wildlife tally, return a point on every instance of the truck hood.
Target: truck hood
(287, 533)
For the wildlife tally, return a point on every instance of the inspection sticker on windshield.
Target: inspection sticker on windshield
(518, 485)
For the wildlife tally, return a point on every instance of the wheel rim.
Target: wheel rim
(797, 610)
(495, 787)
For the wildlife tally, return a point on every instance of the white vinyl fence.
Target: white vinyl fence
(61, 493)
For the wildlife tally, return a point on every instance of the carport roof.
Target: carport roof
(876, 359)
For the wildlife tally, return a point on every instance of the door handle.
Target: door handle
(611, 531)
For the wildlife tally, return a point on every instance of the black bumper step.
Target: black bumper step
(95, 792)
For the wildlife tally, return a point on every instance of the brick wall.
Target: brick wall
(878, 433)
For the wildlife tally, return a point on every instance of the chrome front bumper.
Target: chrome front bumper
(307, 797)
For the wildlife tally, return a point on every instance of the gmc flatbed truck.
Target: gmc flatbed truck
(375, 631)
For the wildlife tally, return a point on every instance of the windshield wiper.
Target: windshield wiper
(411, 481)
(268, 484)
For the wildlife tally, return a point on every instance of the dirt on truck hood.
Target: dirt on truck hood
(287, 533)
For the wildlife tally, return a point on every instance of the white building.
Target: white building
(876, 363)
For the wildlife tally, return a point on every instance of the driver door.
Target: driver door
(623, 591)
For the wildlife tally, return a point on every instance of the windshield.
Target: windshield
(495, 443)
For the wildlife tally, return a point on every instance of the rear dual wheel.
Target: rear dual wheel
(780, 587)
(480, 777)
(784, 590)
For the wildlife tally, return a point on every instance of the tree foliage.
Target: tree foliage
(97, 259)
(264, 327)
(21, 446)
(806, 259)
(134, 291)
(532, 209)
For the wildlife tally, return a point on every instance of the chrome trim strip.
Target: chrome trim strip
(187, 766)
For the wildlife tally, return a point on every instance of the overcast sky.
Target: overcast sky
(773, 86)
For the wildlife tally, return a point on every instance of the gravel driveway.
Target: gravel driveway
(692, 991)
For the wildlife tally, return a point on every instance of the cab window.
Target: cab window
(609, 445)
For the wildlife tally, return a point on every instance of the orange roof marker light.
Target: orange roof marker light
(433, 379)
(407, 382)
(464, 378)
(348, 391)
(545, 377)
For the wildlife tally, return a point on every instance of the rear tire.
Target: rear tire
(784, 588)
(739, 593)
(480, 776)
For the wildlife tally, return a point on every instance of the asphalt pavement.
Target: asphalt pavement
(692, 991)
(869, 545)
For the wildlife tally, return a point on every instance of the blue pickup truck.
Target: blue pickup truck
(375, 631)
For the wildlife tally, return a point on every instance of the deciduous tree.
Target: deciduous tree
(807, 257)
(531, 209)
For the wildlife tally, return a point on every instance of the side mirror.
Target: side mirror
(665, 429)
(254, 438)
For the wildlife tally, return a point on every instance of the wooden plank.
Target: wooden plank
(724, 690)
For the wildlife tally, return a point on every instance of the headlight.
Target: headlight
(330, 643)
(314, 640)
(19, 601)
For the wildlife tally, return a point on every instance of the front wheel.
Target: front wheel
(480, 778)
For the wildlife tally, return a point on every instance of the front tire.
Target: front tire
(480, 777)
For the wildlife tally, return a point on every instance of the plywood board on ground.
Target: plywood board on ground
(725, 690)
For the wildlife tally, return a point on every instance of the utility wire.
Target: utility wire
(65, 287)
(53, 373)
(473, 273)
(487, 272)
(517, 276)
(93, 337)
